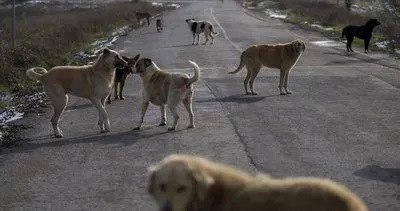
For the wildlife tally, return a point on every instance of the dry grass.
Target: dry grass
(48, 37)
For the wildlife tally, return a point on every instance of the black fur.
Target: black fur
(211, 28)
(194, 27)
(363, 32)
(202, 26)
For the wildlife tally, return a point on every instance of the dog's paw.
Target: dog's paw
(116, 97)
(282, 93)
(191, 126)
(136, 128)
(104, 131)
(121, 98)
(108, 101)
(288, 92)
(254, 93)
(59, 135)
(248, 93)
(162, 124)
(171, 129)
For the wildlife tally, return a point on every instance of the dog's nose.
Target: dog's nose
(166, 207)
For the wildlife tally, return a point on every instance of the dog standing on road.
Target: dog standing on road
(92, 82)
(159, 25)
(198, 27)
(182, 182)
(281, 56)
(363, 32)
(161, 88)
(143, 15)
(121, 74)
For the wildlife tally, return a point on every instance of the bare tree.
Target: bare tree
(348, 4)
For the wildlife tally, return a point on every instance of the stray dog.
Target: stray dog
(92, 82)
(161, 88)
(363, 32)
(186, 182)
(198, 27)
(143, 15)
(120, 76)
(280, 56)
(160, 25)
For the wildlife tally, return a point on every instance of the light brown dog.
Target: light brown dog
(280, 56)
(191, 183)
(161, 88)
(89, 81)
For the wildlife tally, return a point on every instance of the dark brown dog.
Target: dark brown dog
(120, 76)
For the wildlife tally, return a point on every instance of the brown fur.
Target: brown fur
(89, 81)
(191, 183)
(279, 56)
(143, 15)
(162, 88)
(121, 74)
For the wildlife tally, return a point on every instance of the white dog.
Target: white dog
(161, 88)
(198, 27)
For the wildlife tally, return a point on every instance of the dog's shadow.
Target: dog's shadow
(375, 172)
(239, 98)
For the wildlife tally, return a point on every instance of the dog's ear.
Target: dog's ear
(203, 182)
(147, 62)
(136, 58)
(125, 58)
(151, 172)
(106, 51)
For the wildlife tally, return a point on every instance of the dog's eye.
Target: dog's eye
(181, 189)
(163, 187)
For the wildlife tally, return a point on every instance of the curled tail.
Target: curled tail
(196, 75)
(241, 65)
(36, 73)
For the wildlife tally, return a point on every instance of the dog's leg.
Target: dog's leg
(366, 44)
(349, 42)
(59, 103)
(121, 87)
(145, 104)
(281, 81)
(285, 84)
(246, 81)
(187, 102)
(206, 35)
(163, 115)
(198, 39)
(253, 76)
(194, 35)
(212, 39)
(148, 21)
(104, 122)
(173, 101)
(115, 90)
(109, 98)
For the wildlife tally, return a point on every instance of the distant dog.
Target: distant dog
(198, 27)
(161, 88)
(159, 25)
(121, 74)
(143, 15)
(89, 81)
(281, 56)
(182, 182)
(363, 32)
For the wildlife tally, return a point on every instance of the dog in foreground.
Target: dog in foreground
(121, 74)
(363, 32)
(162, 88)
(89, 81)
(198, 27)
(191, 183)
(280, 56)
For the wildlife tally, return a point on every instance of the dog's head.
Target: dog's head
(373, 22)
(190, 20)
(177, 185)
(113, 59)
(299, 46)
(144, 65)
(131, 63)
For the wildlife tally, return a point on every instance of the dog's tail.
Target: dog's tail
(241, 65)
(36, 73)
(212, 30)
(196, 75)
(343, 32)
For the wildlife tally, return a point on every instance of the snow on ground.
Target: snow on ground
(275, 14)
(321, 27)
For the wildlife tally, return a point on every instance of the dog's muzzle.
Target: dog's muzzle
(166, 207)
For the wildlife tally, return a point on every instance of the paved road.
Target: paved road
(342, 122)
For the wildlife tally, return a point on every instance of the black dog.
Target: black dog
(363, 32)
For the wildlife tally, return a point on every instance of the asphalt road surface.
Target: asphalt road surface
(342, 121)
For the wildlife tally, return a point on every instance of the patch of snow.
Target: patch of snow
(358, 9)
(321, 27)
(384, 45)
(326, 43)
(168, 5)
(10, 115)
(275, 14)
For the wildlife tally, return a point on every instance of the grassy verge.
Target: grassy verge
(328, 15)
(50, 36)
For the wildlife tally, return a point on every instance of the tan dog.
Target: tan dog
(89, 81)
(161, 88)
(280, 56)
(192, 183)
